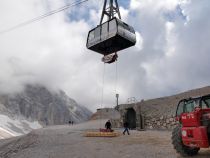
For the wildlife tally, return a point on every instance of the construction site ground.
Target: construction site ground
(69, 142)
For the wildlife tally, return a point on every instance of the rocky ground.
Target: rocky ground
(69, 142)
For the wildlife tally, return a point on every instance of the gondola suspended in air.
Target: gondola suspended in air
(113, 35)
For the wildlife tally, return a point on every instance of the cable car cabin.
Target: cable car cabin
(110, 37)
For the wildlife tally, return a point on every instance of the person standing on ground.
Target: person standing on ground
(108, 125)
(126, 125)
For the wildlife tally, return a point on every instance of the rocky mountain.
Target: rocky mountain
(10, 127)
(37, 103)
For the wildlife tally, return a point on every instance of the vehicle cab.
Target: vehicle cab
(194, 117)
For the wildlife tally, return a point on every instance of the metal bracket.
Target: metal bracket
(111, 10)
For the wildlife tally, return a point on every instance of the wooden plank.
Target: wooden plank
(101, 134)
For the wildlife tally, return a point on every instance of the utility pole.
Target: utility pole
(117, 97)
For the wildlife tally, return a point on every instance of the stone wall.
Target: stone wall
(106, 113)
(163, 122)
(156, 113)
(159, 113)
(160, 123)
(116, 123)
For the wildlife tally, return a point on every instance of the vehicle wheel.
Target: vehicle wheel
(179, 146)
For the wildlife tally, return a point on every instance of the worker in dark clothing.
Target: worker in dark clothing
(108, 125)
(126, 126)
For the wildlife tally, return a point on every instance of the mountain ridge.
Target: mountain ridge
(38, 104)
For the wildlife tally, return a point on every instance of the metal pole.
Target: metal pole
(103, 11)
(117, 96)
(117, 9)
(111, 10)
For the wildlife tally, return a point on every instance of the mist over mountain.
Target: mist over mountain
(37, 103)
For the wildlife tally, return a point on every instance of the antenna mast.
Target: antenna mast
(111, 10)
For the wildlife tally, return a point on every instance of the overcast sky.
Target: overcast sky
(171, 55)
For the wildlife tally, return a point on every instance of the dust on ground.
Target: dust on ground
(69, 142)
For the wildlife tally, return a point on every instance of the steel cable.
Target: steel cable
(78, 2)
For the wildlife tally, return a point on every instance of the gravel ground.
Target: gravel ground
(69, 142)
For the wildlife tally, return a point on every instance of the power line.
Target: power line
(78, 2)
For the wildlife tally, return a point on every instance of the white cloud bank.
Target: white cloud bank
(171, 55)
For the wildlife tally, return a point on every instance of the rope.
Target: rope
(116, 77)
(115, 89)
(116, 85)
(102, 93)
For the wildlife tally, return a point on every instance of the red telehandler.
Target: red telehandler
(193, 130)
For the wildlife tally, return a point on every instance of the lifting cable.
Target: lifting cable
(116, 86)
(103, 83)
(102, 92)
(116, 79)
(38, 18)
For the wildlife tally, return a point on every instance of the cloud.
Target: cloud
(154, 5)
(171, 54)
(173, 50)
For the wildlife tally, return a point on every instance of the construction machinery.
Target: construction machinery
(193, 129)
